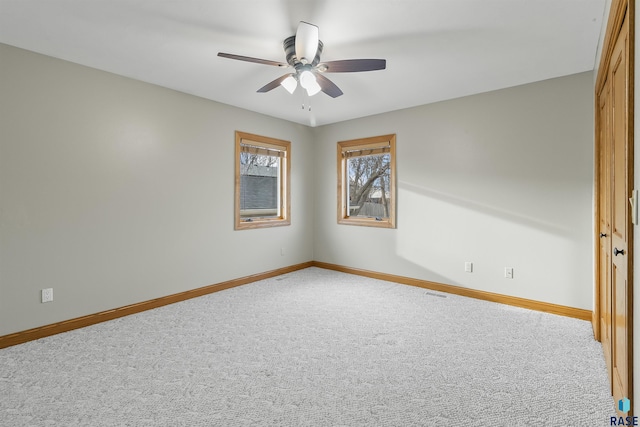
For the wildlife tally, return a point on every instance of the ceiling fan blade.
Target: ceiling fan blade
(353, 65)
(306, 42)
(274, 84)
(250, 59)
(328, 87)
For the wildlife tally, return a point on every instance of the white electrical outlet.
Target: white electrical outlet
(282, 251)
(47, 295)
(508, 272)
(468, 267)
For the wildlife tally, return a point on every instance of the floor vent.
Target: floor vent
(436, 295)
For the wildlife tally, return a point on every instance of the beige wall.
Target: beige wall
(115, 191)
(501, 179)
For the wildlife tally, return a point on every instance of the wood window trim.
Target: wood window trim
(373, 145)
(264, 145)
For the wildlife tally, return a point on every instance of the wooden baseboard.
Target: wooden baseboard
(546, 307)
(92, 319)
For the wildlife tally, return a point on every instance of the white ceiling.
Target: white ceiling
(435, 49)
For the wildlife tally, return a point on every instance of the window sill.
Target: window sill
(262, 223)
(367, 222)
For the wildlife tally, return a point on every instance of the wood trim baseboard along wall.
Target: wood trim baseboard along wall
(546, 307)
(103, 316)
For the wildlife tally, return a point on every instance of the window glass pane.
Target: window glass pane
(368, 191)
(259, 186)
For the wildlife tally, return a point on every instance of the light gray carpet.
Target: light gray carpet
(313, 348)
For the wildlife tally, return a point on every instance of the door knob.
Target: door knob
(603, 234)
(617, 251)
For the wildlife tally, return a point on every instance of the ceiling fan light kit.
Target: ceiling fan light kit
(290, 84)
(308, 81)
(302, 52)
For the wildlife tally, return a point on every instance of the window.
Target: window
(366, 182)
(262, 181)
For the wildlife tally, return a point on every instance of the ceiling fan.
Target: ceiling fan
(303, 52)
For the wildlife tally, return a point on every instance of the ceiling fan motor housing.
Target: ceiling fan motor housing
(289, 45)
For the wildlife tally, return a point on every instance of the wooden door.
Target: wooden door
(613, 314)
(604, 226)
(620, 228)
